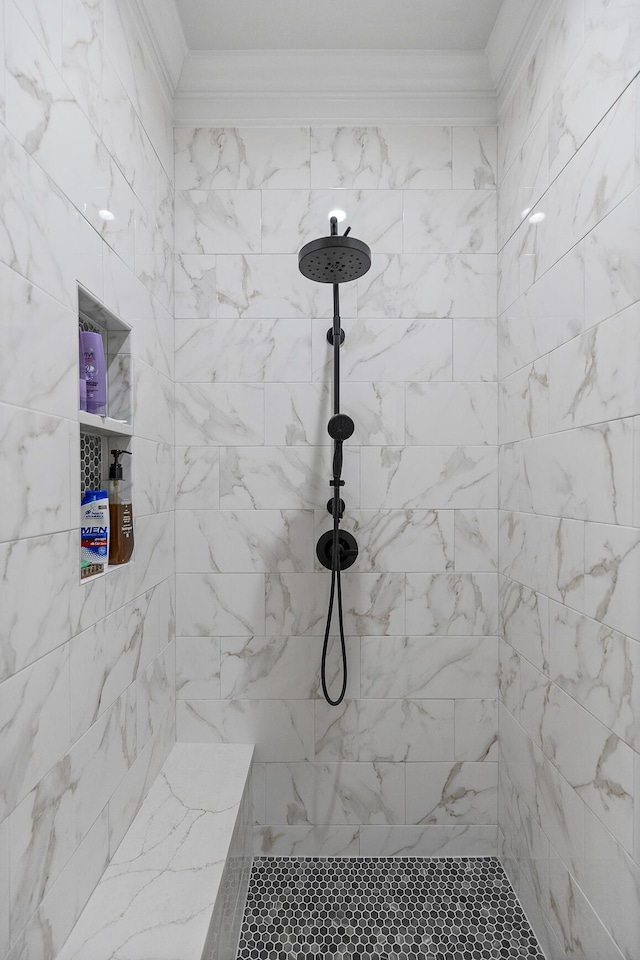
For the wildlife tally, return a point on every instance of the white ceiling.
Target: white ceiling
(338, 24)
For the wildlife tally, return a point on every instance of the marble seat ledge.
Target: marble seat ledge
(160, 890)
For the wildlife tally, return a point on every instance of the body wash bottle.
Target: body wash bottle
(120, 512)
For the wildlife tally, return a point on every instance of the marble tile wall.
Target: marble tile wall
(568, 358)
(408, 762)
(86, 669)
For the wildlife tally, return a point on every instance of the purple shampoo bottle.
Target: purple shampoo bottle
(95, 371)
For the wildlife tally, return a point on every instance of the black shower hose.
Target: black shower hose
(335, 581)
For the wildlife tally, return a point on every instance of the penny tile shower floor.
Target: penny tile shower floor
(387, 908)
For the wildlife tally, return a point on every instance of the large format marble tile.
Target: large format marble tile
(53, 819)
(290, 477)
(4, 881)
(219, 414)
(572, 918)
(155, 694)
(218, 221)
(374, 603)
(524, 621)
(283, 668)
(476, 730)
(398, 540)
(210, 158)
(216, 604)
(441, 840)
(611, 281)
(475, 158)
(255, 541)
(280, 729)
(450, 221)
(198, 668)
(291, 218)
(454, 604)
(380, 349)
(34, 718)
(397, 730)
(413, 285)
(34, 622)
(429, 477)
(195, 285)
(306, 841)
(452, 413)
(197, 476)
(429, 667)
(297, 413)
(476, 541)
(336, 793)
(599, 668)
(612, 558)
(475, 349)
(452, 793)
(239, 351)
(271, 286)
(393, 157)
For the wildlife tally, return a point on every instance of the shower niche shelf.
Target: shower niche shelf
(101, 433)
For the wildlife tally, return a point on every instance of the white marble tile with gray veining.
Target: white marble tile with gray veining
(219, 414)
(415, 285)
(154, 473)
(246, 541)
(306, 841)
(34, 621)
(298, 413)
(450, 221)
(599, 668)
(338, 793)
(476, 730)
(271, 286)
(198, 668)
(429, 477)
(216, 604)
(475, 158)
(545, 554)
(209, 158)
(218, 221)
(523, 401)
(374, 603)
(611, 281)
(155, 694)
(428, 667)
(197, 476)
(195, 286)
(436, 840)
(524, 621)
(612, 569)
(153, 561)
(4, 860)
(476, 541)
(398, 540)
(377, 350)
(401, 156)
(593, 377)
(53, 819)
(34, 718)
(36, 502)
(291, 218)
(241, 351)
(294, 477)
(549, 313)
(579, 930)
(397, 730)
(452, 793)
(475, 349)
(284, 667)
(452, 604)
(452, 413)
(280, 729)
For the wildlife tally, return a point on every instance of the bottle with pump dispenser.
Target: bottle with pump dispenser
(120, 512)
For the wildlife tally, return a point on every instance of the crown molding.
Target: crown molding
(328, 86)
(516, 30)
(161, 30)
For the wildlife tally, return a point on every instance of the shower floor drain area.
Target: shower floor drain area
(383, 907)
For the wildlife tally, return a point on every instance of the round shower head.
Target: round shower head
(334, 259)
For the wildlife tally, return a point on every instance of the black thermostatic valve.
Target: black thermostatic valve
(347, 549)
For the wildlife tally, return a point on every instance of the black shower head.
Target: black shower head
(334, 259)
(340, 427)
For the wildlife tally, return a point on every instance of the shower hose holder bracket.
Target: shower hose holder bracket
(330, 336)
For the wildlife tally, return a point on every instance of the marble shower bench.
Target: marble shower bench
(176, 886)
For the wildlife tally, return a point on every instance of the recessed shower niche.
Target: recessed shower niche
(100, 433)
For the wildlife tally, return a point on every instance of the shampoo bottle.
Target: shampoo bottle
(120, 512)
(95, 372)
(94, 532)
